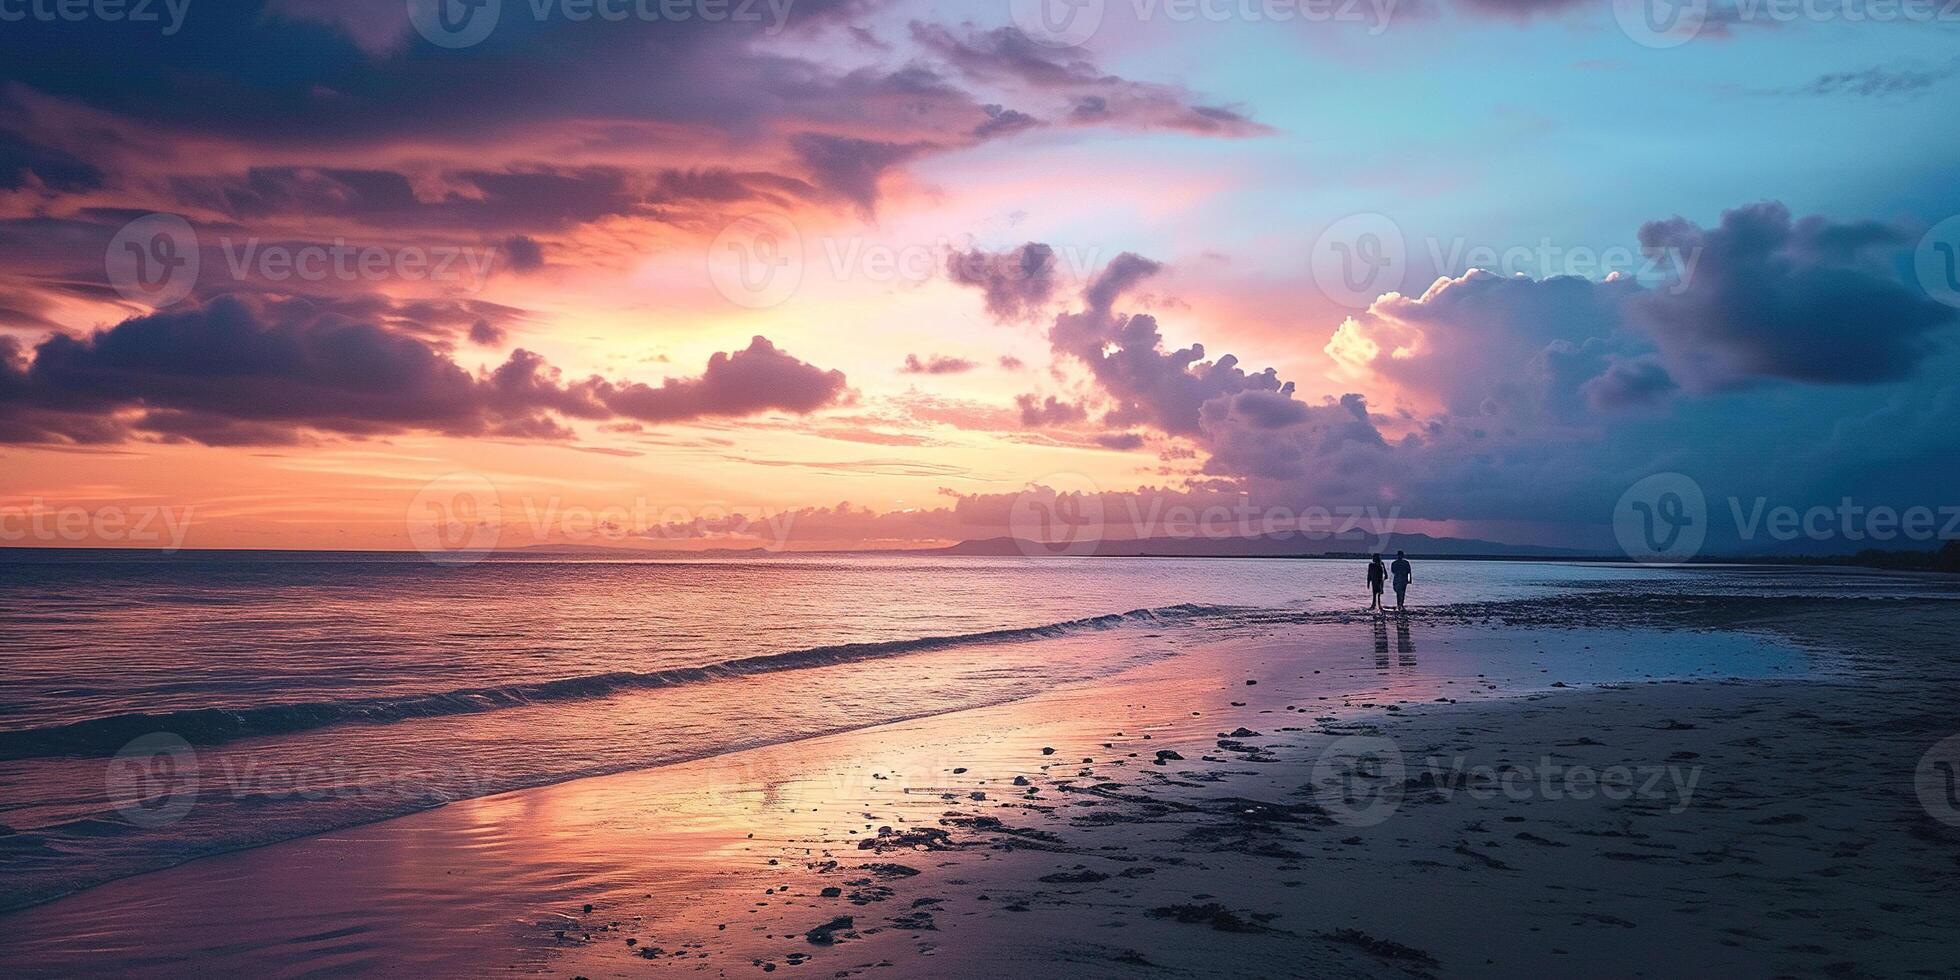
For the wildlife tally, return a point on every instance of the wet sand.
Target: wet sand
(1468, 791)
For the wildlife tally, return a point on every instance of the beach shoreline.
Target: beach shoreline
(955, 845)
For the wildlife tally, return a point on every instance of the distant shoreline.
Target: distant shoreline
(1943, 560)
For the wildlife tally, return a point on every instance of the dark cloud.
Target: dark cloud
(546, 199)
(523, 253)
(308, 72)
(1016, 283)
(224, 119)
(248, 369)
(755, 379)
(26, 164)
(439, 318)
(1090, 109)
(1767, 297)
(1760, 297)
(486, 334)
(53, 258)
(1006, 55)
(1269, 437)
(1037, 411)
(1002, 121)
(722, 185)
(850, 167)
(1123, 272)
(1121, 441)
(310, 191)
(1636, 383)
(936, 364)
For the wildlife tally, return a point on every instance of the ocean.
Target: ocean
(157, 709)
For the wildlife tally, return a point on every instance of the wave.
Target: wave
(210, 726)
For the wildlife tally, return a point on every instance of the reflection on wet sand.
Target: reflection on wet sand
(1405, 645)
(738, 859)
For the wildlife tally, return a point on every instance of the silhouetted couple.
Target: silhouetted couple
(1397, 573)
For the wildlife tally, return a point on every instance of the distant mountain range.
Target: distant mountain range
(1273, 546)
(1264, 546)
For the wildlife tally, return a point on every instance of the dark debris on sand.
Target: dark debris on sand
(1216, 916)
(1383, 948)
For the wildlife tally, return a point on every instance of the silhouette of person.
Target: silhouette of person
(1401, 574)
(1376, 575)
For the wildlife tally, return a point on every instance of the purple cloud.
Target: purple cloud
(936, 364)
(1016, 283)
(1767, 297)
(246, 370)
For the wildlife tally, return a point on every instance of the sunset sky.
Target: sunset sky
(912, 258)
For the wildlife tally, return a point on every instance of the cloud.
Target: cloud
(1330, 449)
(850, 167)
(1635, 383)
(252, 370)
(756, 379)
(1878, 82)
(382, 133)
(26, 164)
(1481, 343)
(1147, 384)
(523, 253)
(1016, 283)
(936, 364)
(1037, 411)
(1809, 300)
(1521, 399)
(486, 334)
(1002, 121)
(1760, 297)
(537, 198)
(1007, 56)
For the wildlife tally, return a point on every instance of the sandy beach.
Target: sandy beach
(1464, 791)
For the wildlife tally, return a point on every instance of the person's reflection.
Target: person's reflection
(1381, 644)
(1404, 645)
